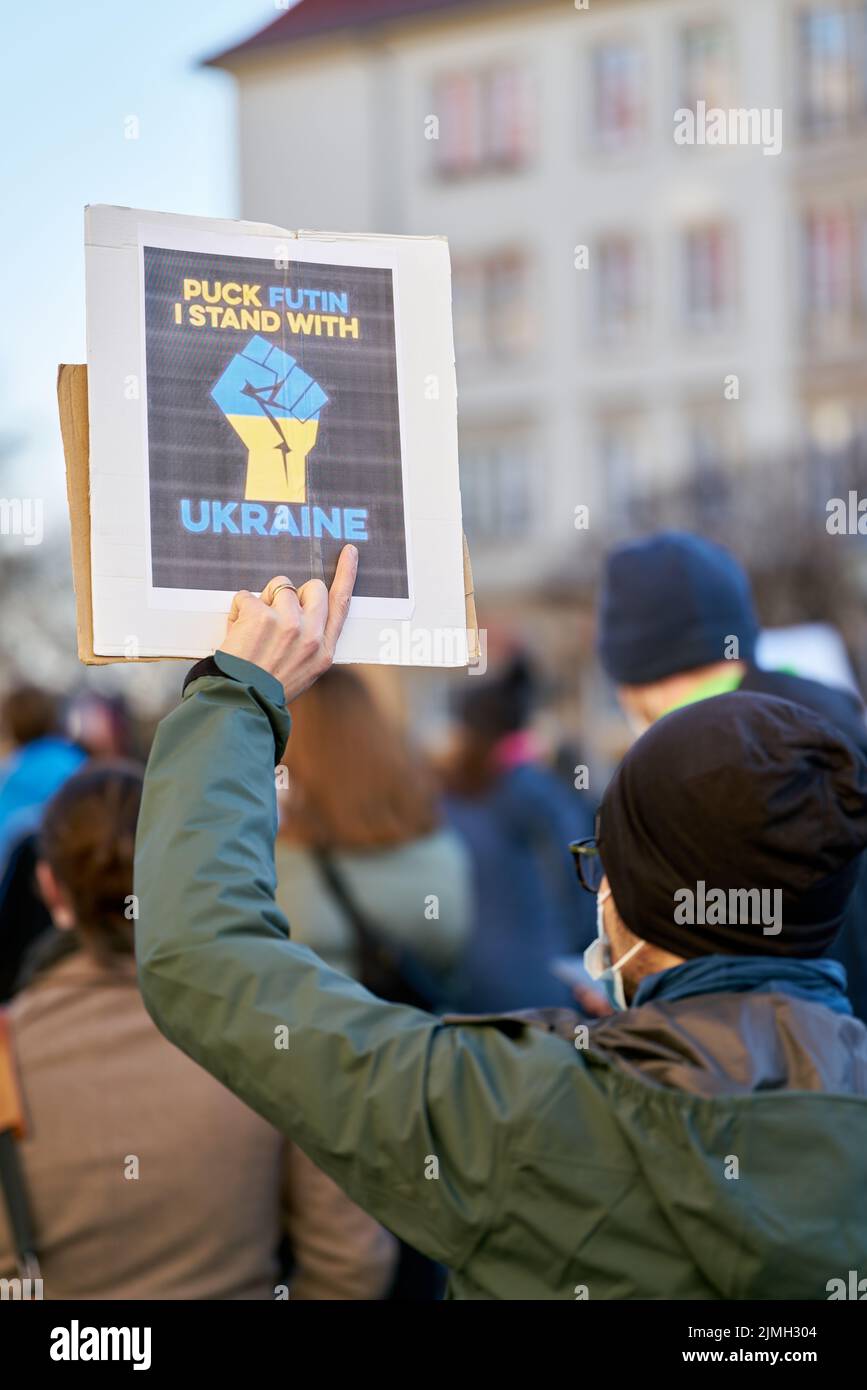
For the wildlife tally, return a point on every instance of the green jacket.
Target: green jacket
(532, 1167)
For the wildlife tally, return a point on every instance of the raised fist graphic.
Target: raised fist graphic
(274, 406)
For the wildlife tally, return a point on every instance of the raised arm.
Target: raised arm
(407, 1114)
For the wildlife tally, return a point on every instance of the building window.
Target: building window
(837, 448)
(709, 442)
(510, 306)
(485, 121)
(507, 111)
(707, 494)
(706, 65)
(620, 279)
(620, 464)
(496, 485)
(618, 95)
(709, 277)
(457, 102)
(492, 304)
(468, 309)
(835, 272)
(833, 67)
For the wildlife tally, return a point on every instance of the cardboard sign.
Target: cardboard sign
(257, 399)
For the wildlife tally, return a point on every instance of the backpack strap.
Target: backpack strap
(391, 974)
(12, 1129)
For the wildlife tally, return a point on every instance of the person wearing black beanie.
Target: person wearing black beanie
(732, 827)
(707, 1142)
(677, 624)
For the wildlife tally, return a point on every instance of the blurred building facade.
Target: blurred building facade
(667, 334)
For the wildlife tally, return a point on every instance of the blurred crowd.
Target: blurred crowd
(442, 879)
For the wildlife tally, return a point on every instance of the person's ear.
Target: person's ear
(54, 896)
(609, 911)
(620, 938)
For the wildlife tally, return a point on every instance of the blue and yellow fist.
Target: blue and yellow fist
(274, 406)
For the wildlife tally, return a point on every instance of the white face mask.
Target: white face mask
(597, 959)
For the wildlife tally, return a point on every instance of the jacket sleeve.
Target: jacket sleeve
(407, 1114)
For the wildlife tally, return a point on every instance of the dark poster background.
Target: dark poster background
(195, 453)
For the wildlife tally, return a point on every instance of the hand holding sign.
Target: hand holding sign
(292, 633)
(274, 406)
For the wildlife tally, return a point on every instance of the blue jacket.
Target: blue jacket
(28, 779)
(529, 907)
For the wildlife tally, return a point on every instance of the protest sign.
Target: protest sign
(257, 399)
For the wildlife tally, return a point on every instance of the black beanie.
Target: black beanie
(500, 703)
(736, 792)
(668, 605)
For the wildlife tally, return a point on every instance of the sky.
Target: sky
(73, 75)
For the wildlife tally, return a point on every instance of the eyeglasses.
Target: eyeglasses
(588, 865)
